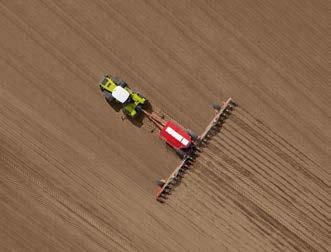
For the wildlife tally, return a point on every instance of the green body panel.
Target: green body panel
(138, 99)
(108, 84)
(129, 107)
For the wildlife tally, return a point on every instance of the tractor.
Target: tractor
(118, 91)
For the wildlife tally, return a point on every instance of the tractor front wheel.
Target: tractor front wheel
(119, 82)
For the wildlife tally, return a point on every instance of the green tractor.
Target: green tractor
(117, 90)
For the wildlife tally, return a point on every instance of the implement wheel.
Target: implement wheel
(192, 134)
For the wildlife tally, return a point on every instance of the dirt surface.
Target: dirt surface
(74, 176)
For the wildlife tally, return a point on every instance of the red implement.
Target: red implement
(222, 113)
(175, 136)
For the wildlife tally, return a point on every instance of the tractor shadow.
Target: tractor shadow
(114, 105)
(137, 121)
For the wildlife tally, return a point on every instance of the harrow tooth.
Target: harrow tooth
(159, 199)
(167, 190)
(233, 103)
(182, 173)
(206, 139)
(172, 183)
(195, 155)
(179, 172)
(163, 196)
(198, 149)
(169, 187)
(186, 167)
(178, 179)
(188, 162)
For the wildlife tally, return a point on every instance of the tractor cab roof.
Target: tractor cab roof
(120, 94)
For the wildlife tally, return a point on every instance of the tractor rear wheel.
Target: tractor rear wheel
(125, 112)
(108, 96)
(139, 108)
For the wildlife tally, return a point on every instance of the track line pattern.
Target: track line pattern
(250, 177)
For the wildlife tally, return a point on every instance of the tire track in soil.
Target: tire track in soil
(269, 153)
(247, 227)
(249, 221)
(226, 201)
(276, 138)
(281, 154)
(191, 200)
(278, 186)
(265, 187)
(266, 155)
(283, 231)
(253, 195)
(230, 135)
(305, 181)
(200, 189)
(272, 147)
(246, 161)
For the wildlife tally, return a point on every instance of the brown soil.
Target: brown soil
(74, 176)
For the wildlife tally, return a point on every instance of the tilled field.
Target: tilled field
(74, 176)
(251, 174)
